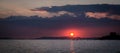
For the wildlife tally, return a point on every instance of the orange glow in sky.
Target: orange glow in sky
(71, 32)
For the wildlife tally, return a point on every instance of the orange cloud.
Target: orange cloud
(115, 17)
(12, 10)
(48, 14)
(99, 15)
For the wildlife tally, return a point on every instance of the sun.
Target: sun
(71, 34)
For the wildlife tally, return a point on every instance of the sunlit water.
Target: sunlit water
(59, 46)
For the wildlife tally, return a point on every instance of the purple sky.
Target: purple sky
(41, 18)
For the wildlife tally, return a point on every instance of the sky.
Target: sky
(52, 21)
(21, 7)
(41, 3)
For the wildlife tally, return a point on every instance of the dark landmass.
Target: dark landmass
(75, 38)
(111, 36)
(53, 38)
(6, 38)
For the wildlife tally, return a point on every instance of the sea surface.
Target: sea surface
(59, 46)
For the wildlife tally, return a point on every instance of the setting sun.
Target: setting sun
(71, 34)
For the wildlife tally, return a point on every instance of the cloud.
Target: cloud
(115, 17)
(99, 15)
(7, 10)
(26, 12)
(47, 14)
(13, 10)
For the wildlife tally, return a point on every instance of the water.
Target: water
(59, 46)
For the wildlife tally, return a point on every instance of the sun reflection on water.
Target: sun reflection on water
(72, 46)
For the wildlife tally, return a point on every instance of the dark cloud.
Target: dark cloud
(95, 11)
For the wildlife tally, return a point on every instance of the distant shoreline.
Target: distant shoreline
(111, 36)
